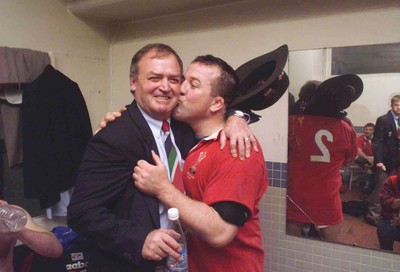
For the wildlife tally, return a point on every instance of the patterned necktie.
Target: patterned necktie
(173, 162)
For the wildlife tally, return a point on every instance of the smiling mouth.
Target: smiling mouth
(163, 97)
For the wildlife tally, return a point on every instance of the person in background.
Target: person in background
(365, 158)
(126, 227)
(364, 145)
(33, 236)
(220, 210)
(385, 147)
(388, 228)
(321, 141)
(305, 95)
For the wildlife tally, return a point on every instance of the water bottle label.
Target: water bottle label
(184, 255)
(178, 266)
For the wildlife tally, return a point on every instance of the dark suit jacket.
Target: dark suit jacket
(105, 206)
(55, 131)
(385, 143)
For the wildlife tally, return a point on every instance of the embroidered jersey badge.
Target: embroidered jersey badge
(192, 169)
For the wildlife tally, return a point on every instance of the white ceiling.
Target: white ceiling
(119, 11)
(122, 11)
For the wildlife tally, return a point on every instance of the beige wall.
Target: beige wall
(80, 52)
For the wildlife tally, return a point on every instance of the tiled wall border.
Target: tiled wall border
(277, 172)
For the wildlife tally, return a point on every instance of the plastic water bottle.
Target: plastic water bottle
(12, 218)
(172, 265)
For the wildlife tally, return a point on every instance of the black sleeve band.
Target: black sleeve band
(232, 212)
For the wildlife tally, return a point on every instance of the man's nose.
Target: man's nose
(165, 85)
(182, 89)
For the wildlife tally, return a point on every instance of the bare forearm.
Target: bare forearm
(43, 243)
(199, 218)
(7, 243)
(362, 154)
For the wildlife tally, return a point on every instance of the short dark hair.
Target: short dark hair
(307, 91)
(226, 84)
(395, 98)
(160, 49)
(369, 125)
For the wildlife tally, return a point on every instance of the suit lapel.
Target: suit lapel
(184, 137)
(152, 203)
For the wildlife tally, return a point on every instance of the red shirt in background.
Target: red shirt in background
(318, 147)
(365, 145)
(389, 193)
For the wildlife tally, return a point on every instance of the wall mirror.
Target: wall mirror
(379, 68)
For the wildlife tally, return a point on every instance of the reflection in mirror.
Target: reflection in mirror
(334, 187)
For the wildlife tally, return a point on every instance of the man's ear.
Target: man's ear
(132, 81)
(217, 104)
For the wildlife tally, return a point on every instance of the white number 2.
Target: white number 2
(325, 157)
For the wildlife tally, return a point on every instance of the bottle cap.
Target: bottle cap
(173, 214)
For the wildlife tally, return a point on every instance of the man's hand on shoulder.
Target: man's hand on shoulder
(241, 138)
(109, 117)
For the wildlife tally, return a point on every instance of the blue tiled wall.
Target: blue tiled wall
(277, 173)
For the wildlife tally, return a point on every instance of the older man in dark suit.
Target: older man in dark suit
(124, 225)
(385, 146)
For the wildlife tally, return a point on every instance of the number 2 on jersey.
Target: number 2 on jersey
(326, 156)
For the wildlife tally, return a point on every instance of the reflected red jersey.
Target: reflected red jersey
(318, 147)
(365, 145)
